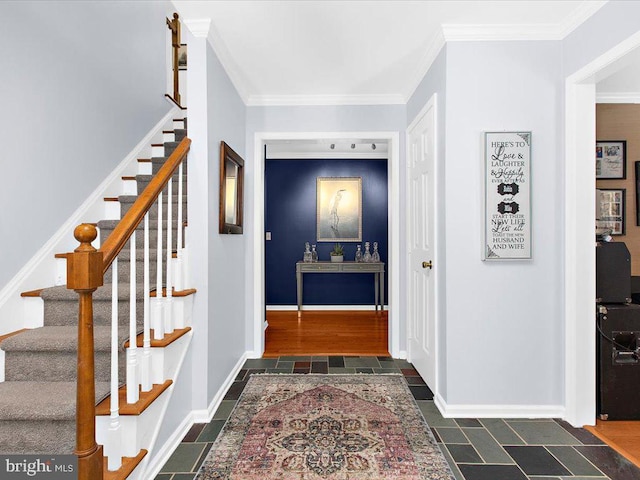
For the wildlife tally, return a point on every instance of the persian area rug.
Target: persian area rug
(325, 427)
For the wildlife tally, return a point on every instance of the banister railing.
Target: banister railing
(86, 268)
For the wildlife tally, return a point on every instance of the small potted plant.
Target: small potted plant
(337, 254)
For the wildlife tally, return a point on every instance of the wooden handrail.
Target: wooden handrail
(121, 233)
(86, 267)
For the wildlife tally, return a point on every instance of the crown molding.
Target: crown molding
(199, 27)
(618, 97)
(282, 100)
(431, 53)
(474, 33)
(582, 13)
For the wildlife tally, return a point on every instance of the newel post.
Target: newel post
(84, 275)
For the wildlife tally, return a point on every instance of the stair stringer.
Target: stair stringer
(141, 431)
(43, 268)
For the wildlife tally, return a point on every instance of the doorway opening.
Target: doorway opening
(391, 140)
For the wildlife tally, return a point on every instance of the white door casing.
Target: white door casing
(421, 326)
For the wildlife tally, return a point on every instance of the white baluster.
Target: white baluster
(145, 369)
(158, 324)
(132, 351)
(168, 309)
(179, 282)
(115, 432)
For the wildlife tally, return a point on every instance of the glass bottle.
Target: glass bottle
(314, 254)
(375, 256)
(358, 254)
(306, 257)
(367, 255)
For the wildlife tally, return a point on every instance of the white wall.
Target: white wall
(82, 83)
(504, 324)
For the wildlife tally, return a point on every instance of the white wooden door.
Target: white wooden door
(420, 218)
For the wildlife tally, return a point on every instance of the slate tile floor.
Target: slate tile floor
(476, 449)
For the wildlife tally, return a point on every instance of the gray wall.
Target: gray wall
(82, 83)
(504, 322)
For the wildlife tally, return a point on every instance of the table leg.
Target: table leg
(299, 285)
(375, 287)
(382, 291)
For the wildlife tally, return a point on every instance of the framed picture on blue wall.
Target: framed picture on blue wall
(339, 209)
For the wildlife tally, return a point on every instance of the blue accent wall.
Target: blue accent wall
(290, 216)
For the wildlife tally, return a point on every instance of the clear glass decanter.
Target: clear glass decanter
(375, 256)
(367, 255)
(358, 254)
(314, 254)
(306, 257)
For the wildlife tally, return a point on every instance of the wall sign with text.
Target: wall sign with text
(507, 195)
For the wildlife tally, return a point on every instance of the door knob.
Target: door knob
(428, 264)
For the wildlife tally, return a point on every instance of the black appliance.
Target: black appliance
(613, 273)
(618, 353)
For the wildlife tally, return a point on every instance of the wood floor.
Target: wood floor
(326, 332)
(621, 435)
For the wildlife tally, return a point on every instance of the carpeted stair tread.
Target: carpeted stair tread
(103, 293)
(61, 338)
(42, 400)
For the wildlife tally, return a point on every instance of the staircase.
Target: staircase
(38, 395)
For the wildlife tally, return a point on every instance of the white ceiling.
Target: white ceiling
(360, 52)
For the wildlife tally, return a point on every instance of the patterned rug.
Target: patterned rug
(325, 427)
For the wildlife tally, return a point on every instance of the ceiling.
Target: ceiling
(360, 52)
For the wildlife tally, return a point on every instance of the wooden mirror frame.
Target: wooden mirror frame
(229, 158)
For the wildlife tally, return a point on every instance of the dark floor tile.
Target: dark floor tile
(421, 392)
(193, 432)
(410, 372)
(304, 358)
(385, 359)
(279, 370)
(319, 358)
(260, 363)
(184, 458)
(501, 431)
(211, 431)
(364, 370)
(415, 380)
(164, 476)
(452, 435)
(184, 476)
(490, 450)
(492, 472)
(235, 390)
(300, 370)
(241, 374)
(464, 453)
(536, 461)
(435, 435)
(224, 410)
(299, 365)
(251, 371)
(581, 434)
(387, 370)
(319, 367)
(468, 422)
(402, 363)
(542, 432)
(576, 463)
(336, 362)
(202, 458)
(362, 362)
(610, 462)
(285, 365)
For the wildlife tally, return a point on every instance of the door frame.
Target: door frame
(393, 197)
(579, 215)
(432, 103)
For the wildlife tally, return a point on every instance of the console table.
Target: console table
(377, 268)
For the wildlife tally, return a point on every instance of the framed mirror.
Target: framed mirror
(231, 190)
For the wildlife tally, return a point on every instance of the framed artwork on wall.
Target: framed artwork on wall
(339, 209)
(610, 210)
(507, 196)
(182, 57)
(231, 190)
(611, 159)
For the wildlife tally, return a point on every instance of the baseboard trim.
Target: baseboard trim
(205, 416)
(196, 416)
(289, 308)
(498, 411)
